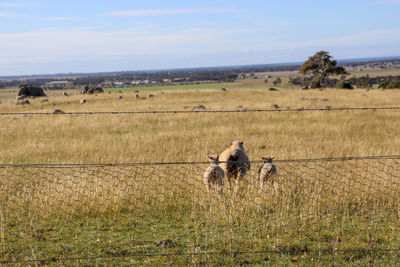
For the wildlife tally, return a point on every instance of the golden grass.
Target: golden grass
(321, 198)
(190, 137)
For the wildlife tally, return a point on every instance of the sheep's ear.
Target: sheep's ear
(264, 158)
(272, 157)
(241, 142)
(213, 157)
(217, 157)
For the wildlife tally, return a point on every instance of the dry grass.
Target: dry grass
(318, 203)
(190, 137)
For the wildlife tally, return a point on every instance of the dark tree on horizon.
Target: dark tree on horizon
(320, 66)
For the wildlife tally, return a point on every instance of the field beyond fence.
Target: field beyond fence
(341, 210)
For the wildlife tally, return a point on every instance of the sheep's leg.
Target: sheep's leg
(237, 181)
(276, 185)
(261, 184)
(208, 185)
(220, 188)
(230, 183)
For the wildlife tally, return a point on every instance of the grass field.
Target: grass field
(155, 88)
(117, 211)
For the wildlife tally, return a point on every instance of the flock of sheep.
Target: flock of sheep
(233, 164)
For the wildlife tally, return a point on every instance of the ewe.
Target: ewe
(267, 173)
(234, 162)
(214, 174)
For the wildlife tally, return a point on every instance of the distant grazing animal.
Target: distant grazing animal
(65, 93)
(234, 162)
(150, 96)
(120, 97)
(214, 175)
(268, 174)
(83, 101)
(137, 95)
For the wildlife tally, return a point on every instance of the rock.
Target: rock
(23, 102)
(199, 107)
(58, 111)
(26, 90)
(274, 106)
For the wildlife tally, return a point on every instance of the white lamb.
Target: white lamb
(214, 174)
(268, 173)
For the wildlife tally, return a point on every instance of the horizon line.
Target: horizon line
(345, 60)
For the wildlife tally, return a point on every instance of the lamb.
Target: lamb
(267, 173)
(214, 174)
(234, 162)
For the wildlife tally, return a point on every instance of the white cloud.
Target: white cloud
(55, 50)
(58, 19)
(54, 42)
(387, 2)
(14, 4)
(361, 39)
(6, 15)
(161, 12)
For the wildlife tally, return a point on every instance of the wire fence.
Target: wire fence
(242, 110)
(331, 209)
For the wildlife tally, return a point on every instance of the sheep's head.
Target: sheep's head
(237, 144)
(267, 159)
(213, 159)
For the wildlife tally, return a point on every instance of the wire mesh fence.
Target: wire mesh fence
(321, 209)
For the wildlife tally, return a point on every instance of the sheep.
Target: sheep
(267, 173)
(214, 174)
(234, 162)
(120, 97)
(83, 101)
(65, 93)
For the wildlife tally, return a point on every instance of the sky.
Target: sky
(58, 36)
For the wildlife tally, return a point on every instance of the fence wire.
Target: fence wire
(243, 110)
(153, 213)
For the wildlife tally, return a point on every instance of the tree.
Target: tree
(321, 65)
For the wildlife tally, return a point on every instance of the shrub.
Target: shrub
(390, 85)
(344, 85)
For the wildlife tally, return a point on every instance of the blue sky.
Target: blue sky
(58, 36)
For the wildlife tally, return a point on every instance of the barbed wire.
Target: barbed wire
(328, 108)
(227, 253)
(67, 165)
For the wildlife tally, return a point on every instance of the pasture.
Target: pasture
(105, 214)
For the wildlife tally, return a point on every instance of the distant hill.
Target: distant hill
(237, 68)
